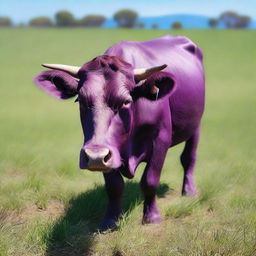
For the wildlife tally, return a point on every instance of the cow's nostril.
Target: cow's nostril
(107, 157)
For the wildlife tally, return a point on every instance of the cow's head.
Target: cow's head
(106, 88)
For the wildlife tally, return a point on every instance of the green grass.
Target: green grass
(41, 138)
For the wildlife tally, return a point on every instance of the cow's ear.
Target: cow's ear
(57, 83)
(155, 87)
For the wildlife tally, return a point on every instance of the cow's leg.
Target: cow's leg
(114, 184)
(150, 182)
(188, 159)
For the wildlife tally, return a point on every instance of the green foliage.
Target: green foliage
(177, 25)
(141, 25)
(41, 22)
(64, 19)
(154, 26)
(234, 20)
(41, 138)
(213, 23)
(92, 21)
(244, 21)
(126, 18)
(5, 22)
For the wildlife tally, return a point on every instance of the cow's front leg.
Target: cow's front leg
(114, 184)
(150, 182)
(188, 159)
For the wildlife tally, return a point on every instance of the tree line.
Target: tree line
(230, 20)
(125, 18)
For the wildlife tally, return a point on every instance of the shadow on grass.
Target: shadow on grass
(74, 233)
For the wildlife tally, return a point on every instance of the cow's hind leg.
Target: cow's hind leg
(188, 159)
(150, 182)
(114, 184)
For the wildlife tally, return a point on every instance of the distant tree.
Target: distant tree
(126, 18)
(244, 21)
(40, 22)
(92, 21)
(141, 25)
(233, 20)
(154, 26)
(5, 22)
(229, 18)
(65, 19)
(213, 23)
(177, 25)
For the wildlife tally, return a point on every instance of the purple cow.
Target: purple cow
(131, 112)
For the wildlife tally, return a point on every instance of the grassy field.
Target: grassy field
(50, 207)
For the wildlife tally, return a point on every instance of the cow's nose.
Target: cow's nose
(98, 158)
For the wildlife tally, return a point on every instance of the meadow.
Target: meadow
(48, 206)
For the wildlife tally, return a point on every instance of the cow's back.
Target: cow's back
(184, 60)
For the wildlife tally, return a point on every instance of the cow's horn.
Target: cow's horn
(72, 70)
(143, 73)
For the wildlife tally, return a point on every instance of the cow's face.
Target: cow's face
(107, 89)
(106, 111)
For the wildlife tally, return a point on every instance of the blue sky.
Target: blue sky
(23, 10)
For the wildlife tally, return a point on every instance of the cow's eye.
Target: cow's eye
(89, 105)
(127, 103)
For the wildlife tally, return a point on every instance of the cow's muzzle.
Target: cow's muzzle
(97, 159)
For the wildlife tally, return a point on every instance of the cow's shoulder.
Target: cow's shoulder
(181, 42)
(189, 46)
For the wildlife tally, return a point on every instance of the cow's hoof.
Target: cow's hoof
(153, 218)
(109, 224)
(190, 190)
(191, 193)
